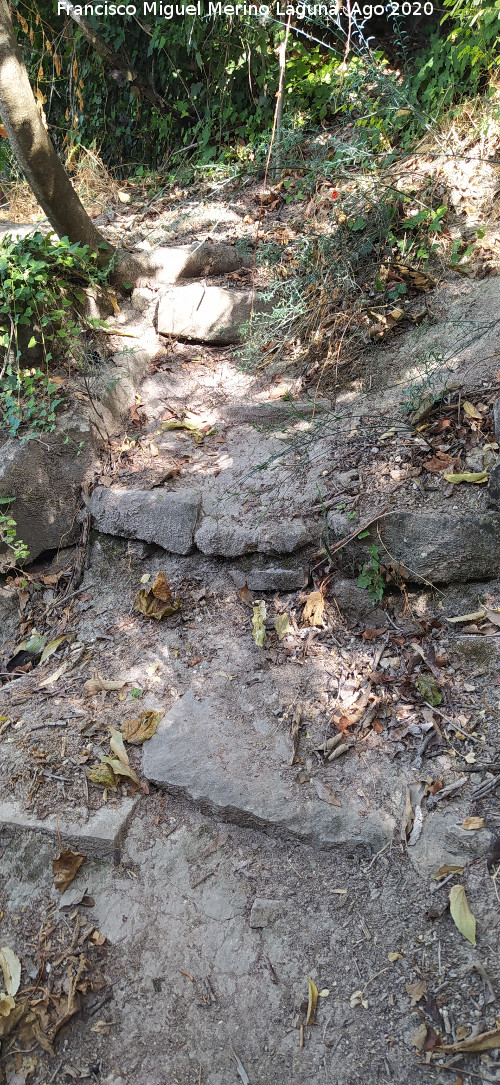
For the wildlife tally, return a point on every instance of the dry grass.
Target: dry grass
(91, 180)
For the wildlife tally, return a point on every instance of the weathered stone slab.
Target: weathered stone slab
(165, 517)
(207, 314)
(441, 548)
(227, 537)
(45, 478)
(433, 546)
(99, 836)
(271, 576)
(201, 753)
(166, 265)
(444, 841)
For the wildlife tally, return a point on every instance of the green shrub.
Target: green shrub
(40, 288)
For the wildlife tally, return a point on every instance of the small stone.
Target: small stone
(263, 912)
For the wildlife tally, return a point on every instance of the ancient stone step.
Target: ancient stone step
(207, 314)
(165, 517)
(431, 546)
(231, 537)
(202, 753)
(168, 264)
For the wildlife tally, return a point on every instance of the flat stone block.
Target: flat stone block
(207, 314)
(443, 547)
(165, 517)
(226, 537)
(202, 754)
(273, 577)
(99, 836)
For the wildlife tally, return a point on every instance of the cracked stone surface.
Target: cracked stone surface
(202, 753)
(160, 516)
(98, 834)
(209, 314)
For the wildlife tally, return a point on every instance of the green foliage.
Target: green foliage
(40, 287)
(372, 576)
(458, 63)
(17, 550)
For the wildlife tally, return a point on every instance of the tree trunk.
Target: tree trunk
(34, 150)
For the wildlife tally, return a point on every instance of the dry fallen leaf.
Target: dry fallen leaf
(314, 606)
(119, 768)
(485, 1041)
(156, 602)
(161, 588)
(7, 1004)
(117, 747)
(102, 775)
(65, 867)
(468, 476)
(282, 625)
(326, 794)
(358, 999)
(312, 1002)
(393, 957)
(448, 868)
(461, 913)
(245, 596)
(473, 823)
(95, 685)
(416, 990)
(258, 622)
(425, 1038)
(470, 410)
(53, 646)
(141, 728)
(11, 968)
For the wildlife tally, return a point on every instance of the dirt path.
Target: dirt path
(299, 796)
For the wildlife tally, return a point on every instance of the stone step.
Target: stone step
(242, 772)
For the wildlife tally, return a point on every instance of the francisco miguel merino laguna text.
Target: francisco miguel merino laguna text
(211, 9)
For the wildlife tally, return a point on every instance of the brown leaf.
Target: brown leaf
(65, 867)
(485, 1041)
(102, 775)
(147, 603)
(314, 606)
(135, 416)
(95, 685)
(245, 596)
(448, 868)
(440, 462)
(311, 1002)
(473, 823)
(371, 633)
(161, 588)
(141, 728)
(326, 794)
(416, 990)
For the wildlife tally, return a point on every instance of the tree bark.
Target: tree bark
(35, 152)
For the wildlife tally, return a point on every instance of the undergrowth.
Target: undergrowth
(41, 296)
